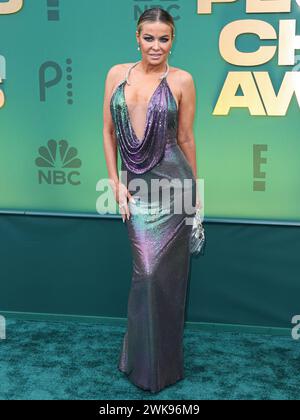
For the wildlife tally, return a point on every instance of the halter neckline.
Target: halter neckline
(141, 155)
(131, 67)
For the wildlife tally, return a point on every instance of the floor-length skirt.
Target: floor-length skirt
(152, 349)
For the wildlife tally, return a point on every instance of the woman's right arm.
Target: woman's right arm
(110, 142)
(109, 137)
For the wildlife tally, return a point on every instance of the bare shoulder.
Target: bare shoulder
(183, 77)
(118, 71)
(182, 83)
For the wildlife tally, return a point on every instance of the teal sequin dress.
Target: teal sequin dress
(152, 351)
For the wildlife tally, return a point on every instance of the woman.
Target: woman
(148, 115)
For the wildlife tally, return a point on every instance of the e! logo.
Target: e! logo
(259, 183)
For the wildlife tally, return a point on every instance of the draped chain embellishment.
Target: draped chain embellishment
(135, 64)
(139, 156)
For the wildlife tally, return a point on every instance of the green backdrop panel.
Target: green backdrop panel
(54, 58)
(249, 274)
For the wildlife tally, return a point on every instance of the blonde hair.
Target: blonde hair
(156, 14)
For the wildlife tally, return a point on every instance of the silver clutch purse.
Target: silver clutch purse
(197, 238)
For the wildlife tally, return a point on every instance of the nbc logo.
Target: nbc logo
(57, 163)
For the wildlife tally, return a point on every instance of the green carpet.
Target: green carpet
(69, 360)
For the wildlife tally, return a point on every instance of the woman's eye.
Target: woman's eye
(148, 39)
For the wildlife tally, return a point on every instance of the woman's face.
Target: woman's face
(155, 41)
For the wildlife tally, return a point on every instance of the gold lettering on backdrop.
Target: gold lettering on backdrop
(11, 6)
(274, 105)
(230, 33)
(258, 94)
(278, 105)
(252, 6)
(250, 99)
(268, 6)
(205, 6)
(289, 42)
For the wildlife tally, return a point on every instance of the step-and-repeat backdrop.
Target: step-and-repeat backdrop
(245, 60)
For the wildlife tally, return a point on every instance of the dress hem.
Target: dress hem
(153, 391)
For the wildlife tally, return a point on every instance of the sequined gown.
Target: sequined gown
(152, 351)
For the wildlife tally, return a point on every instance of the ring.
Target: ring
(121, 205)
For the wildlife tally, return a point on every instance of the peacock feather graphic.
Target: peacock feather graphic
(58, 154)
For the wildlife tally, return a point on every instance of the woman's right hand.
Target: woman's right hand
(121, 195)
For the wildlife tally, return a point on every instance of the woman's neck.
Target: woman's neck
(149, 68)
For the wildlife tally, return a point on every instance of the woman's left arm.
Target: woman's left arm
(186, 115)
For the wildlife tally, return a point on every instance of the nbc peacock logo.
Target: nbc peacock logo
(58, 164)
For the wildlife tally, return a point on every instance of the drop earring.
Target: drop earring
(138, 47)
(170, 52)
